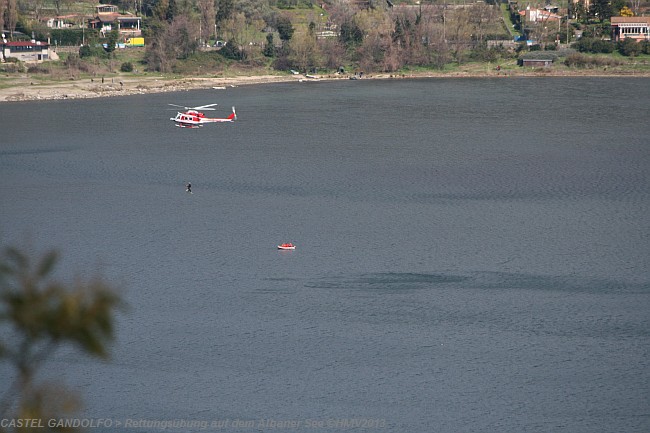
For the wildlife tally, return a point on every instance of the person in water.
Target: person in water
(189, 187)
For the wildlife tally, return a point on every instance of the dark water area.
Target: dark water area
(472, 255)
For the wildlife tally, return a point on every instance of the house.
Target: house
(26, 51)
(63, 21)
(636, 28)
(107, 16)
(539, 15)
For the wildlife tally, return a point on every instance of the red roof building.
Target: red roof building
(107, 16)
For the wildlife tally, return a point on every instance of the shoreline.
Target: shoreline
(26, 88)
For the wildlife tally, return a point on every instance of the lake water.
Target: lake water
(472, 254)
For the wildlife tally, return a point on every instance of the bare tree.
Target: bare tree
(171, 41)
(480, 15)
(460, 34)
(377, 29)
(342, 10)
(11, 16)
(208, 17)
(636, 4)
(234, 29)
(3, 7)
(160, 9)
(303, 51)
(333, 52)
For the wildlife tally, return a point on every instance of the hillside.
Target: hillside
(271, 39)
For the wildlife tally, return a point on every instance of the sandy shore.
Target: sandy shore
(25, 88)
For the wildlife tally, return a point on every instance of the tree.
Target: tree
(159, 11)
(460, 33)
(351, 34)
(480, 16)
(376, 50)
(172, 11)
(111, 41)
(626, 12)
(225, 9)
(238, 32)
(333, 52)
(578, 10)
(206, 8)
(269, 48)
(171, 41)
(2, 16)
(303, 51)
(616, 6)
(58, 5)
(285, 28)
(601, 9)
(231, 50)
(11, 16)
(43, 315)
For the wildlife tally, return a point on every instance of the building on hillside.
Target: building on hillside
(64, 21)
(25, 51)
(539, 15)
(636, 28)
(107, 16)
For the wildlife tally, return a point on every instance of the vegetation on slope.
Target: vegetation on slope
(281, 35)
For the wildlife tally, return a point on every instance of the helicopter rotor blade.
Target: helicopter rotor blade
(201, 107)
(205, 107)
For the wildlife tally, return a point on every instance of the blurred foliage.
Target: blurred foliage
(39, 315)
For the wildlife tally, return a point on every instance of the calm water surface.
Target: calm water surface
(472, 255)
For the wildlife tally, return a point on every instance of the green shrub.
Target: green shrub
(12, 66)
(645, 47)
(629, 47)
(593, 45)
(484, 54)
(72, 60)
(93, 50)
(38, 68)
(601, 46)
(578, 60)
(126, 67)
(231, 51)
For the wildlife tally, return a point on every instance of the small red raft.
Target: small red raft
(287, 246)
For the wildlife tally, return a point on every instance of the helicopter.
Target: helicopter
(193, 117)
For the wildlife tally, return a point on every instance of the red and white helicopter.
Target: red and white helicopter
(193, 118)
